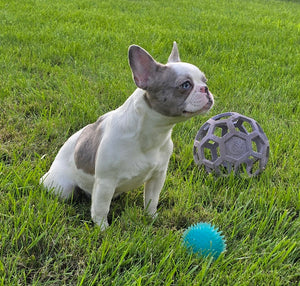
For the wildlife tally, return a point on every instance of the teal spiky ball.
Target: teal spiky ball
(204, 239)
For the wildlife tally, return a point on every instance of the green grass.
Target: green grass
(64, 63)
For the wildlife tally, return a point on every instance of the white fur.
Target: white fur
(135, 145)
(136, 148)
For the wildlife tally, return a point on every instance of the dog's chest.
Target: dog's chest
(136, 167)
(135, 173)
(134, 146)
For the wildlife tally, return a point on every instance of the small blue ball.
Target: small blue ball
(205, 240)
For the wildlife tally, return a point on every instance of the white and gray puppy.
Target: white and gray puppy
(131, 145)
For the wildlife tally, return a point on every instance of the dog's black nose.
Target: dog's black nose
(204, 89)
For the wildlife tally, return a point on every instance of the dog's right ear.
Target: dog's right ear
(143, 66)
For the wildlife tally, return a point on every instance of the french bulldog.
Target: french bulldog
(131, 145)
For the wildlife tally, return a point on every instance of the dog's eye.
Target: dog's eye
(186, 85)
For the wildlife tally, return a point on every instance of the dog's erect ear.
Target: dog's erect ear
(143, 66)
(174, 56)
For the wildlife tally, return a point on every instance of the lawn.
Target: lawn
(64, 63)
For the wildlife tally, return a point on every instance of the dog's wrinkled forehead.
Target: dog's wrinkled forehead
(187, 71)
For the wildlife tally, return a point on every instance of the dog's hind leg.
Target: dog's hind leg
(58, 182)
(60, 178)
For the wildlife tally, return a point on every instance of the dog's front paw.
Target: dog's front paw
(101, 222)
(103, 225)
(153, 214)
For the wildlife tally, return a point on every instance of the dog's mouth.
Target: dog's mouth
(202, 110)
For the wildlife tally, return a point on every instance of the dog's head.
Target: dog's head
(176, 89)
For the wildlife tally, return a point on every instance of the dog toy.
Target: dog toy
(204, 240)
(231, 142)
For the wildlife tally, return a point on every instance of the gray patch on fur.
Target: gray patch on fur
(87, 146)
(164, 96)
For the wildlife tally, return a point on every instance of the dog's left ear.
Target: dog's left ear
(143, 66)
(174, 56)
